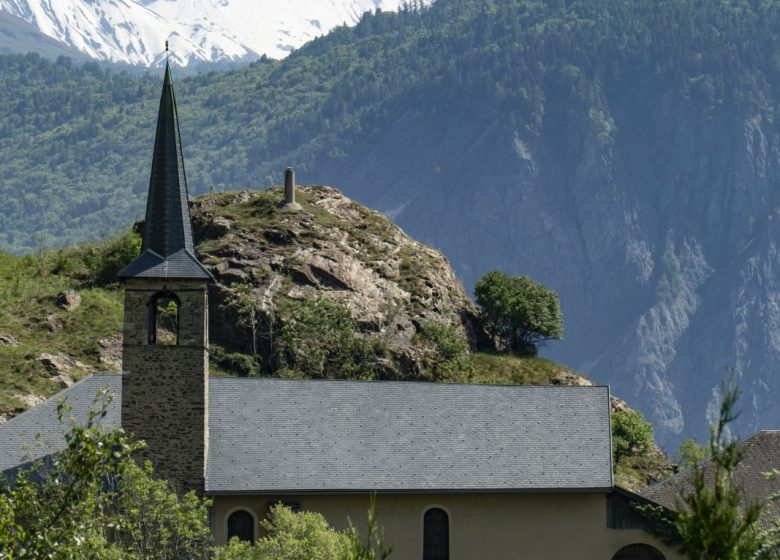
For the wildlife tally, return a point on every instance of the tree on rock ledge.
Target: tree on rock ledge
(517, 312)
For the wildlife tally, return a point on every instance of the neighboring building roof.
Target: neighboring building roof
(276, 436)
(168, 250)
(761, 453)
(38, 432)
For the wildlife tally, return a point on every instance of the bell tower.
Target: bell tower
(165, 348)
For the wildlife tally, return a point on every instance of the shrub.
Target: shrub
(631, 434)
(291, 536)
(105, 261)
(451, 362)
(233, 362)
(690, 453)
(318, 339)
(517, 312)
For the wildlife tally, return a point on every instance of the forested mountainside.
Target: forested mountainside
(625, 153)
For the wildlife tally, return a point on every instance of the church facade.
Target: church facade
(459, 471)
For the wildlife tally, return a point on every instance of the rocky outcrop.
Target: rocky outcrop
(8, 340)
(110, 353)
(333, 248)
(61, 368)
(69, 300)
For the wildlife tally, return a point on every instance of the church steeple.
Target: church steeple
(165, 346)
(168, 250)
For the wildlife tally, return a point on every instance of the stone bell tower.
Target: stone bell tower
(165, 350)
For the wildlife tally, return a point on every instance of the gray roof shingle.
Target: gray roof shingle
(760, 454)
(276, 436)
(37, 432)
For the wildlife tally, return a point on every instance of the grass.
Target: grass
(505, 369)
(30, 285)
(639, 471)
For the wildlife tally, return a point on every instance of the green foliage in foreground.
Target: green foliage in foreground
(711, 522)
(307, 536)
(291, 536)
(518, 312)
(94, 502)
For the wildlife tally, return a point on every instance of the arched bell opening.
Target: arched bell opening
(164, 308)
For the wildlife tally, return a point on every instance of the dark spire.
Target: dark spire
(168, 250)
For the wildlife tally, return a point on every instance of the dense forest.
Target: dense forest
(75, 139)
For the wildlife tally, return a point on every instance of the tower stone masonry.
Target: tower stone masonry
(165, 347)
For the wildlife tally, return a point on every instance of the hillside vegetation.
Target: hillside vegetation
(75, 140)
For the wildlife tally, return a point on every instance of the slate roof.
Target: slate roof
(168, 250)
(18, 444)
(280, 436)
(761, 453)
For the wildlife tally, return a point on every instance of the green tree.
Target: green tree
(307, 536)
(245, 301)
(517, 312)
(62, 516)
(372, 547)
(291, 536)
(91, 501)
(631, 434)
(690, 453)
(318, 339)
(151, 522)
(713, 524)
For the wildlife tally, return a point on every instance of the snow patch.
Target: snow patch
(135, 31)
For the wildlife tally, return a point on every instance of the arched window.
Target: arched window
(164, 318)
(638, 552)
(436, 535)
(241, 524)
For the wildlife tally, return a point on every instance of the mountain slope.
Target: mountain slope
(18, 36)
(623, 153)
(135, 31)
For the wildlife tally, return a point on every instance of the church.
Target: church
(461, 472)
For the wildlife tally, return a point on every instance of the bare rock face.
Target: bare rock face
(61, 368)
(29, 401)
(8, 340)
(334, 248)
(25, 402)
(569, 379)
(69, 300)
(111, 352)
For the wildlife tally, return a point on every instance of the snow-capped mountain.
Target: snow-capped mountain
(135, 31)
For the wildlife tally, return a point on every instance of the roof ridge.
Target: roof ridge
(425, 383)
